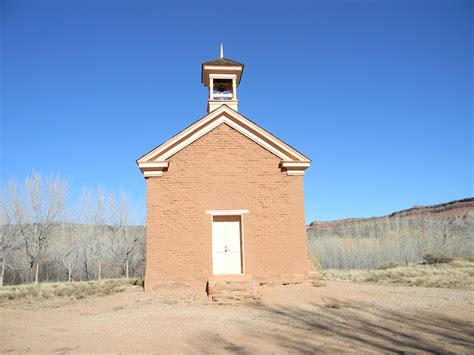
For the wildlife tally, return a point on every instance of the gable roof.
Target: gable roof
(223, 64)
(156, 161)
(222, 61)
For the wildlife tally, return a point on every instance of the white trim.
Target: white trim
(227, 212)
(224, 102)
(223, 95)
(222, 76)
(213, 125)
(295, 172)
(155, 161)
(222, 67)
(256, 139)
(153, 164)
(152, 173)
(165, 145)
(191, 139)
(294, 164)
(275, 141)
(242, 244)
(284, 152)
(271, 138)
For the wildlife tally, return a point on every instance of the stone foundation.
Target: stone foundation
(232, 289)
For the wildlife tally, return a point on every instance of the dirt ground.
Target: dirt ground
(337, 317)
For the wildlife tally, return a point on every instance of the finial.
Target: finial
(222, 50)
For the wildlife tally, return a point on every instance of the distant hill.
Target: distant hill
(448, 210)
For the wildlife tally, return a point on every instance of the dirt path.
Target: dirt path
(338, 317)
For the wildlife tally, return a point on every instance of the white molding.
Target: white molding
(285, 152)
(212, 105)
(294, 167)
(152, 154)
(223, 102)
(227, 212)
(295, 164)
(216, 123)
(222, 67)
(153, 164)
(152, 173)
(295, 172)
(191, 139)
(222, 76)
(275, 140)
(256, 139)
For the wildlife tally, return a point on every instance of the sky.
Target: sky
(379, 94)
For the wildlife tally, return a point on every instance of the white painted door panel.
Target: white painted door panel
(218, 248)
(232, 239)
(226, 250)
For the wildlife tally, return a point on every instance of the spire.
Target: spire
(222, 50)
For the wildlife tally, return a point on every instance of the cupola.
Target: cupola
(222, 76)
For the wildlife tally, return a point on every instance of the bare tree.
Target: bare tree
(67, 252)
(92, 229)
(4, 239)
(36, 243)
(46, 200)
(12, 217)
(124, 239)
(368, 244)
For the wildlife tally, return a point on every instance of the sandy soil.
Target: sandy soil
(365, 318)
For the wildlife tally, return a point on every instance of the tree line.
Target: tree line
(375, 242)
(46, 237)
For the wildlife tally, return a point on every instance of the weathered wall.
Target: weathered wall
(224, 170)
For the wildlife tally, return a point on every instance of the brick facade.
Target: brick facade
(224, 170)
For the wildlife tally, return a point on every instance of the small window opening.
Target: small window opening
(223, 89)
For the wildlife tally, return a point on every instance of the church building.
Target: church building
(224, 196)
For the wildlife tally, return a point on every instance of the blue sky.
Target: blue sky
(378, 93)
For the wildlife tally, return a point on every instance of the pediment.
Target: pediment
(157, 160)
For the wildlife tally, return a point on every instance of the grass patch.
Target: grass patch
(456, 274)
(74, 290)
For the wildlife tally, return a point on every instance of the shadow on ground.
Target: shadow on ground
(342, 328)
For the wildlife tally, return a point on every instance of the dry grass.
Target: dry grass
(332, 303)
(318, 283)
(437, 258)
(75, 290)
(457, 274)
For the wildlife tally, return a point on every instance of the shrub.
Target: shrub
(389, 265)
(317, 283)
(332, 303)
(437, 258)
(315, 262)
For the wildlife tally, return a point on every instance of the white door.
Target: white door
(226, 249)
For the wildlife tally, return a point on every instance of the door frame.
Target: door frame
(233, 213)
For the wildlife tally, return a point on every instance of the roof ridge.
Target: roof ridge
(222, 61)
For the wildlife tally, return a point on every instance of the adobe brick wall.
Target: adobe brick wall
(224, 170)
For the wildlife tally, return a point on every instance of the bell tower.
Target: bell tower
(222, 76)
